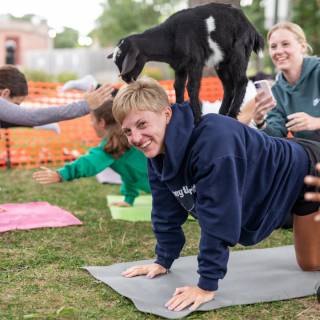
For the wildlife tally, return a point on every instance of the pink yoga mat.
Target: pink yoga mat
(33, 215)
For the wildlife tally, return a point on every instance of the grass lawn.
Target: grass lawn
(40, 270)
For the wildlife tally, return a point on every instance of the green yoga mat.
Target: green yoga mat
(141, 211)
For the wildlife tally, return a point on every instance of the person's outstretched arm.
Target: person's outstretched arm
(87, 165)
(12, 114)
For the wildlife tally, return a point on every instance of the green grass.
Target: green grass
(40, 270)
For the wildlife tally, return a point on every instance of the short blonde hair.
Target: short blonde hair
(145, 94)
(293, 28)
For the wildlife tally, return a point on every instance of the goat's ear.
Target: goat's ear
(130, 60)
(109, 56)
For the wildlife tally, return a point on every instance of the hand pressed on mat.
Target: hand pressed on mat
(150, 270)
(182, 297)
(189, 296)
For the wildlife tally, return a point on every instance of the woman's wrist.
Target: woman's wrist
(261, 124)
(59, 177)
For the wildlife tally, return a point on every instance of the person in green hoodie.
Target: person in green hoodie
(296, 107)
(113, 151)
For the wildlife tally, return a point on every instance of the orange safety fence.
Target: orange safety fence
(30, 148)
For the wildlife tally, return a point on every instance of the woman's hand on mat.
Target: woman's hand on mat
(150, 270)
(97, 97)
(189, 296)
(46, 176)
(121, 204)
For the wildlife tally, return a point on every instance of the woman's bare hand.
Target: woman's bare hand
(189, 296)
(313, 196)
(121, 204)
(97, 97)
(46, 176)
(150, 270)
(301, 121)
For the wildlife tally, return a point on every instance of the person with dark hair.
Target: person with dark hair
(114, 151)
(14, 89)
(13, 84)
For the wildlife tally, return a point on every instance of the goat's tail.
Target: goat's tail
(258, 43)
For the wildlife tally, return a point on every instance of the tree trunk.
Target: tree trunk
(194, 3)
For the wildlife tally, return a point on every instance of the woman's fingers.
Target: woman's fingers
(135, 271)
(312, 181)
(186, 296)
(150, 270)
(121, 204)
(312, 196)
(155, 272)
(97, 97)
(263, 105)
(46, 176)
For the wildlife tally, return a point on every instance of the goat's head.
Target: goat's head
(128, 59)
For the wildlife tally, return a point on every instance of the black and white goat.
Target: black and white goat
(214, 35)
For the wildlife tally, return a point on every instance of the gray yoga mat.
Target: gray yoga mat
(257, 275)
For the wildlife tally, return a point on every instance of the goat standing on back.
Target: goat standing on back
(214, 35)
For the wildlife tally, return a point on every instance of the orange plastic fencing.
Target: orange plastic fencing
(26, 148)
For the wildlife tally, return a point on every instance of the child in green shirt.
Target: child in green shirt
(113, 151)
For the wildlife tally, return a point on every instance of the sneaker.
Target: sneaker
(87, 83)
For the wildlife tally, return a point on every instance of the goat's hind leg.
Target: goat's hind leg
(180, 84)
(239, 93)
(238, 68)
(228, 87)
(193, 87)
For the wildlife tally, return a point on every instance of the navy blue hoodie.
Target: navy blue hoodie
(238, 182)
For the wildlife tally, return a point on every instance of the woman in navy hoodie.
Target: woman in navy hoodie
(239, 183)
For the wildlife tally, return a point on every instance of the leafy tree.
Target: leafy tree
(193, 3)
(68, 38)
(123, 17)
(255, 13)
(307, 15)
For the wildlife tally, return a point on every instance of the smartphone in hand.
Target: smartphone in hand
(263, 85)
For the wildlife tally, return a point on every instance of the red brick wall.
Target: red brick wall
(27, 36)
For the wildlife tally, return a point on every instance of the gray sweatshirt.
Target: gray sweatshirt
(12, 115)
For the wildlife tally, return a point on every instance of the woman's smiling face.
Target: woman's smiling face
(285, 50)
(146, 130)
